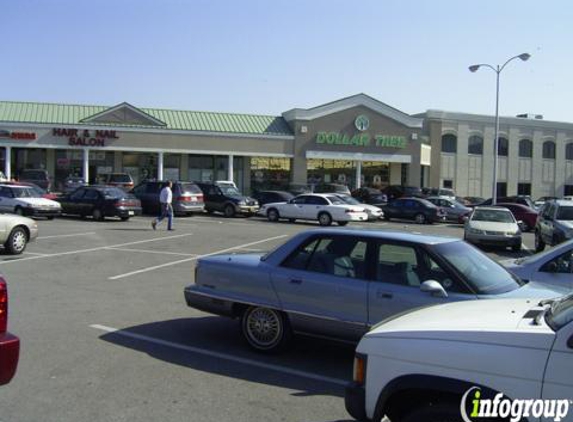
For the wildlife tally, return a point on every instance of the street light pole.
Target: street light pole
(498, 69)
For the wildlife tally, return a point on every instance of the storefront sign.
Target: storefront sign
(85, 137)
(361, 140)
(23, 136)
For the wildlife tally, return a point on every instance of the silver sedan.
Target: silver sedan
(16, 232)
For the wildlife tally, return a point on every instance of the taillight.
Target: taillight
(359, 372)
(351, 211)
(3, 305)
(184, 198)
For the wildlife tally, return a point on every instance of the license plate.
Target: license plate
(131, 213)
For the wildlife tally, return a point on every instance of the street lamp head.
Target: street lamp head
(524, 56)
(474, 68)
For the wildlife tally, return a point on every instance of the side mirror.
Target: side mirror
(520, 225)
(465, 218)
(433, 288)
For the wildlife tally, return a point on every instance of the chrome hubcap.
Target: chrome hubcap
(264, 326)
(19, 241)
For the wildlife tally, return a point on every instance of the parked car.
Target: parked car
(443, 192)
(518, 199)
(16, 232)
(370, 196)
(25, 200)
(398, 191)
(527, 216)
(101, 202)
(227, 200)
(473, 200)
(374, 213)
(331, 188)
(39, 191)
(554, 266)
(187, 197)
(38, 177)
(321, 207)
(554, 224)
(72, 183)
(121, 180)
(340, 282)
(455, 212)
(542, 200)
(493, 226)
(9, 343)
(478, 359)
(268, 196)
(417, 209)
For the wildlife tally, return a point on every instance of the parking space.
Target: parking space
(105, 329)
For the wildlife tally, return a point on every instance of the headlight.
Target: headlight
(255, 202)
(242, 202)
(513, 233)
(475, 231)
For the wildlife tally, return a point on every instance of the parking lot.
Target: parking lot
(106, 334)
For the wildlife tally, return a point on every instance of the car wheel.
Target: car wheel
(434, 413)
(292, 220)
(229, 211)
(17, 241)
(97, 214)
(50, 218)
(19, 211)
(124, 218)
(324, 219)
(273, 215)
(266, 330)
(209, 211)
(420, 218)
(386, 217)
(342, 223)
(539, 243)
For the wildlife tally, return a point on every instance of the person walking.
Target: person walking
(166, 199)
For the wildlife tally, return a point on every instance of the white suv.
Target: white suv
(467, 361)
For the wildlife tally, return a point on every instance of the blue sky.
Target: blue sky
(270, 56)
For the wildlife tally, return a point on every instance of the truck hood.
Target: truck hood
(501, 321)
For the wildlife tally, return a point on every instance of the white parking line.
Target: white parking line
(65, 235)
(55, 255)
(168, 264)
(224, 356)
(155, 252)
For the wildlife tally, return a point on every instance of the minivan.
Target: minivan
(187, 197)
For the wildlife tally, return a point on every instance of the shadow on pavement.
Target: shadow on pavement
(198, 341)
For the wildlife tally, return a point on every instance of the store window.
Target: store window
(524, 188)
(331, 171)
(171, 166)
(375, 174)
(28, 158)
(201, 168)
(569, 151)
(269, 173)
(448, 184)
(450, 143)
(141, 166)
(568, 190)
(502, 147)
(501, 189)
(525, 148)
(549, 150)
(475, 145)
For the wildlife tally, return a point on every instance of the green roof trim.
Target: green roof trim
(68, 114)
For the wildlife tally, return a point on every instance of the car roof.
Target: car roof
(412, 237)
(562, 202)
(493, 208)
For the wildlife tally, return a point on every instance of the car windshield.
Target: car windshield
(482, 274)
(190, 188)
(560, 313)
(494, 216)
(113, 193)
(565, 213)
(336, 200)
(25, 192)
(230, 191)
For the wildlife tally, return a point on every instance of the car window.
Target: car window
(316, 200)
(496, 216)
(91, 194)
(563, 264)
(299, 200)
(24, 192)
(548, 211)
(78, 194)
(113, 193)
(564, 213)
(339, 256)
(299, 259)
(397, 264)
(6, 192)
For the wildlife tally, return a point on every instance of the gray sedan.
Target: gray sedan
(338, 283)
(455, 212)
(554, 266)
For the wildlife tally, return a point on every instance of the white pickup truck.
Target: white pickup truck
(502, 360)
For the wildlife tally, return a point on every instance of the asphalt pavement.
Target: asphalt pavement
(106, 334)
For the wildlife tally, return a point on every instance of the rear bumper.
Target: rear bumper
(182, 207)
(127, 212)
(355, 401)
(207, 303)
(9, 354)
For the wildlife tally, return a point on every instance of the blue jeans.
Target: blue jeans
(166, 211)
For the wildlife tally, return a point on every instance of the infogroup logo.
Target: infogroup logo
(516, 409)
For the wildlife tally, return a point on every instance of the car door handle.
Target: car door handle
(295, 281)
(384, 295)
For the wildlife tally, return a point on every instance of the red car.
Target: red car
(9, 343)
(521, 212)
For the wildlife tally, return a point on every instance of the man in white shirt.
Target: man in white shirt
(166, 199)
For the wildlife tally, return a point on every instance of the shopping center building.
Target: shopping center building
(357, 141)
